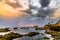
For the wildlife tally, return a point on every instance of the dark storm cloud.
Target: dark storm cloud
(43, 11)
(44, 3)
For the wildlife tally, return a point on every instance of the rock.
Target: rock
(32, 34)
(39, 28)
(15, 28)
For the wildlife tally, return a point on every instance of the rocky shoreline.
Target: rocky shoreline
(52, 29)
(11, 35)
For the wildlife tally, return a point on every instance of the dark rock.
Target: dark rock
(39, 29)
(32, 34)
(15, 28)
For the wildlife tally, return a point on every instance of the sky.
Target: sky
(20, 13)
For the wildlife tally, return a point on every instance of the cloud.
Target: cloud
(44, 3)
(22, 24)
(47, 10)
(40, 11)
(15, 10)
(9, 12)
(56, 14)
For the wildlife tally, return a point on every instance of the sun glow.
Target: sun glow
(9, 12)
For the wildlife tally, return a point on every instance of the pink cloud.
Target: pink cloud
(22, 24)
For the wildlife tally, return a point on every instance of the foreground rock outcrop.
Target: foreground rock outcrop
(32, 34)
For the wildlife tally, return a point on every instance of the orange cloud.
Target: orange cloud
(8, 12)
(56, 14)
